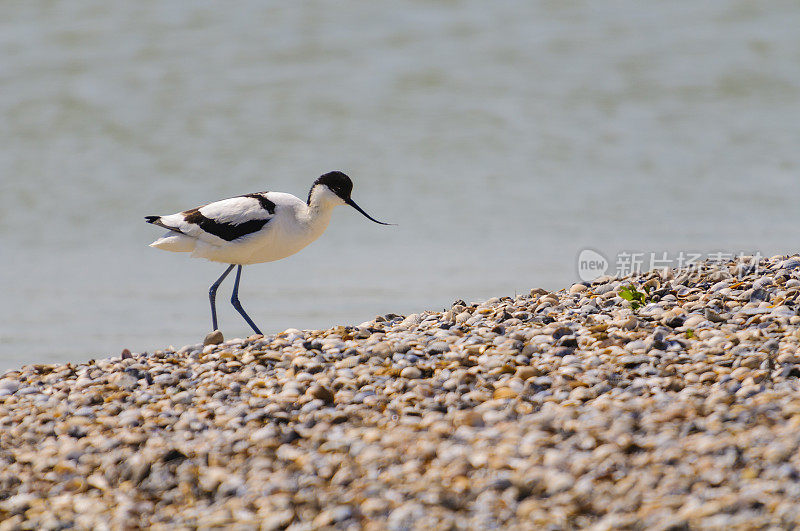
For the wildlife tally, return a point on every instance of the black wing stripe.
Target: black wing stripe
(265, 203)
(226, 231)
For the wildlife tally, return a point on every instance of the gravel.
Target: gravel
(550, 410)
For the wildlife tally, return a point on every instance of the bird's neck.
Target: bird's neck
(318, 215)
(321, 202)
(320, 210)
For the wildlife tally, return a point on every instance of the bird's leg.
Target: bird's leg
(212, 295)
(238, 305)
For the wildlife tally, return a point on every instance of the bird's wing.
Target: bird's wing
(222, 221)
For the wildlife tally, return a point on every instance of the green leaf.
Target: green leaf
(626, 294)
(635, 297)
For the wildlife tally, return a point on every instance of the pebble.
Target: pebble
(411, 373)
(526, 373)
(549, 411)
(713, 316)
(504, 393)
(578, 288)
(213, 338)
(321, 393)
(693, 321)
(8, 386)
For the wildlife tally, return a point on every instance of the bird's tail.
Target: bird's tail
(175, 242)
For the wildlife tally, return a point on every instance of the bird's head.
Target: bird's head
(335, 188)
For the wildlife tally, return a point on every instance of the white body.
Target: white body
(293, 225)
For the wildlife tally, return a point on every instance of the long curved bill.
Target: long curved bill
(354, 205)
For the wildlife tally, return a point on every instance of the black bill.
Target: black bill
(354, 205)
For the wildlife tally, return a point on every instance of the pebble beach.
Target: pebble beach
(662, 400)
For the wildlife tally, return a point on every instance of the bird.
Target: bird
(254, 228)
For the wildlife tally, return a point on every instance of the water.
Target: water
(502, 138)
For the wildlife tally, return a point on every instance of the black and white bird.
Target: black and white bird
(254, 228)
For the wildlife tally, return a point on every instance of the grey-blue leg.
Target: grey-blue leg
(238, 305)
(212, 295)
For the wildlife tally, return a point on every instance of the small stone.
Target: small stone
(165, 380)
(17, 504)
(578, 288)
(321, 392)
(411, 373)
(349, 362)
(97, 481)
(8, 386)
(412, 320)
(382, 349)
(562, 351)
(581, 394)
(713, 316)
(136, 468)
(567, 341)
(525, 373)
(633, 361)
(790, 263)
(759, 295)
(672, 319)
(561, 332)
(693, 321)
(463, 317)
(264, 434)
(213, 338)
(332, 516)
(126, 354)
(438, 347)
(469, 418)
(275, 520)
(504, 393)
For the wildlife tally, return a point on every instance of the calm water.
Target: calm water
(502, 139)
